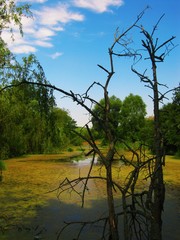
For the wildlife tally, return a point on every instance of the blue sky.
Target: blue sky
(70, 37)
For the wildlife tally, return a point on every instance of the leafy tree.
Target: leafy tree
(32, 123)
(11, 12)
(114, 115)
(127, 117)
(61, 134)
(170, 124)
(132, 117)
(147, 133)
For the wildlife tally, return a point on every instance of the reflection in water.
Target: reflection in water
(82, 162)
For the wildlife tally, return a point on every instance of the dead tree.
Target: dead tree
(156, 53)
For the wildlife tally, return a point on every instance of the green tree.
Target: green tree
(11, 12)
(27, 109)
(127, 118)
(114, 115)
(147, 133)
(60, 129)
(170, 124)
(132, 117)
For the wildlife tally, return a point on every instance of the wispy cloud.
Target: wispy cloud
(23, 49)
(58, 15)
(43, 43)
(49, 20)
(97, 6)
(39, 30)
(44, 33)
(56, 55)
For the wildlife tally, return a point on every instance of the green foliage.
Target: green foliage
(114, 115)
(70, 149)
(132, 117)
(170, 124)
(29, 119)
(12, 12)
(127, 118)
(146, 133)
(2, 165)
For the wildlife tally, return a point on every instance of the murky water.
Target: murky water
(50, 216)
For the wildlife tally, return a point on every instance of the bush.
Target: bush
(70, 149)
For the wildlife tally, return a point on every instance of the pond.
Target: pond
(30, 210)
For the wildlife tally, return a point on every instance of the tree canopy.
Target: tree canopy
(114, 115)
(170, 124)
(30, 122)
(127, 117)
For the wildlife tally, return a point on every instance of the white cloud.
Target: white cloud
(16, 35)
(60, 14)
(23, 49)
(47, 21)
(43, 43)
(44, 33)
(39, 30)
(56, 55)
(97, 6)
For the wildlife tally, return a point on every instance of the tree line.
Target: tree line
(131, 123)
(30, 121)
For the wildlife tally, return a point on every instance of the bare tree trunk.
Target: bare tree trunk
(155, 54)
(113, 223)
(125, 220)
(157, 180)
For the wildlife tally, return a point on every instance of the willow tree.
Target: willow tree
(12, 13)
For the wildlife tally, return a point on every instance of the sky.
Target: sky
(70, 37)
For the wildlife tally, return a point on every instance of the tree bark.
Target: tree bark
(113, 223)
(157, 179)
